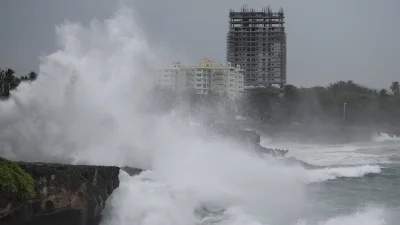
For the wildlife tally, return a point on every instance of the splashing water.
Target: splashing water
(381, 137)
(90, 104)
(88, 98)
(369, 216)
(319, 175)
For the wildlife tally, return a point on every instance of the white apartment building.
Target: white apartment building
(205, 77)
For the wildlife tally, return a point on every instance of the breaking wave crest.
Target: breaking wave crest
(382, 137)
(320, 175)
(147, 202)
(367, 216)
(372, 216)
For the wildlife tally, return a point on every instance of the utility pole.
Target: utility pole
(344, 111)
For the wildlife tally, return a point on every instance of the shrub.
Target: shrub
(15, 182)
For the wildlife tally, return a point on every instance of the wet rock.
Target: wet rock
(131, 170)
(65, 194)
(249, 138)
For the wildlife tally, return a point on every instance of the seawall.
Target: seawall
(65, 195)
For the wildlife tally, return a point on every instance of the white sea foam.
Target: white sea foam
(144, 201)
(370, 216)
(319, 175)
(329, 155)
(382, 137)
(367, 216)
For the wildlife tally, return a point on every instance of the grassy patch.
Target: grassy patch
(15, 182)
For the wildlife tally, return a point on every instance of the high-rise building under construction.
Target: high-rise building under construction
(256, 41)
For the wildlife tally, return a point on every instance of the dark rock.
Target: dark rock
(131, 170)
(65, 194)
(249, 138)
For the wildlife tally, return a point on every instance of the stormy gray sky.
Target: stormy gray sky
(327, 40)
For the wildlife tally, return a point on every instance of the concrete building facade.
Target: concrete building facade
(205, 77)
(256, 41)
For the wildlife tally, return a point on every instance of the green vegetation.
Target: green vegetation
(338, 102)
(9, 82)
(14, 182)
(341, 101)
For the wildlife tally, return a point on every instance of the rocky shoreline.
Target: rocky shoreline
(65, 194)
(76, 194)
(248, 138)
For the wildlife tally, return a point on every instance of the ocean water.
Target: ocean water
(336, 192)
(90, 105)
(354, 197)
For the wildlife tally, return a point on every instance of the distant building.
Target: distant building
(206, 77)
(256, 41)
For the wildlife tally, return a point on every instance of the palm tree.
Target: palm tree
(2, 77)
(383, 93)
(9, 75)
(395, 87)
(32, 75)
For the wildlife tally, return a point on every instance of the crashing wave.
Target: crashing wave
(319, 175)
(382, 137)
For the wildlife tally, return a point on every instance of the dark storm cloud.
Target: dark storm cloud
(327, 40)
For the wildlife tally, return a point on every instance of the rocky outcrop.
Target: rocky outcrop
(246, 137)
(253, 140)
(65, 194)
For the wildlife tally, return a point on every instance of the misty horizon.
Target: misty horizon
(327, 41)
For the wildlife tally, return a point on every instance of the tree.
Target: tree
(395, 88)
(9, 75)
(383, 93)
(2, 81)
(2, 74)
(290, 92)
(8, 82)
(32, 76)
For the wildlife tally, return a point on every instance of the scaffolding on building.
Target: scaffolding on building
(256, 41)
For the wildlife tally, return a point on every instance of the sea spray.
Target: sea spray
(324, 174)
(382, 137)
(90, 97)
